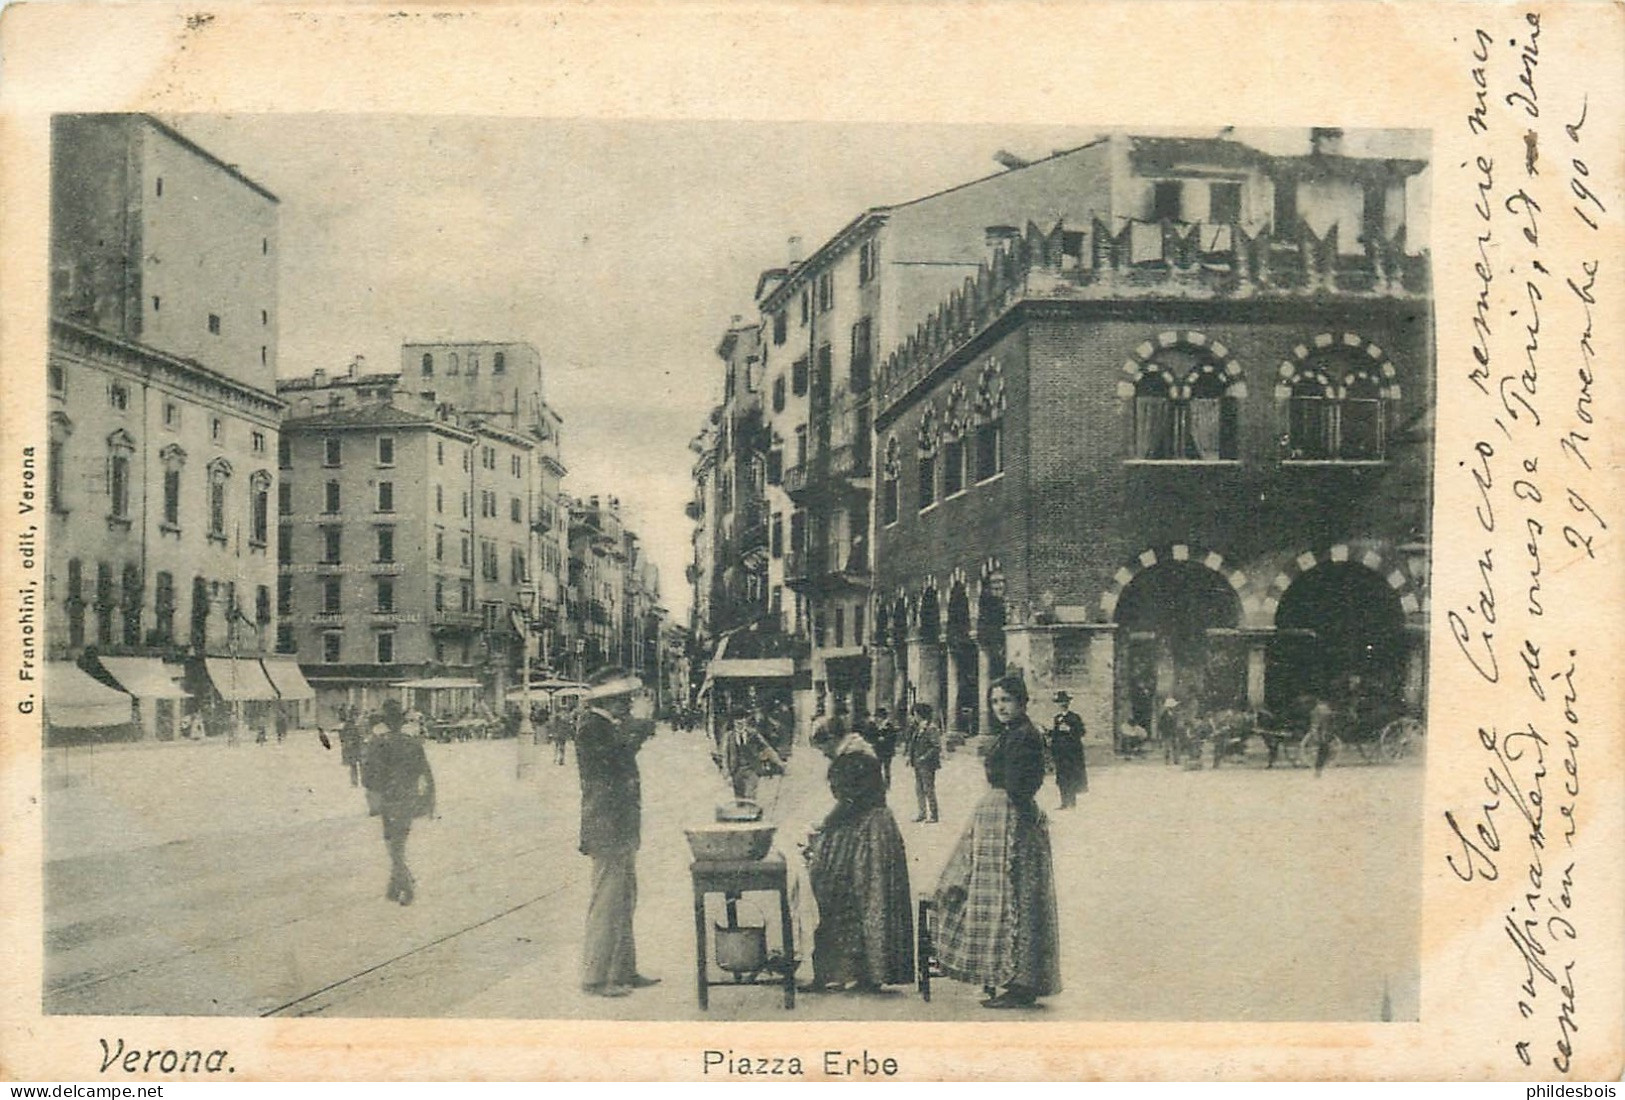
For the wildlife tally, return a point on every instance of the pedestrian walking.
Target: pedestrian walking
(399, 783)
(859, 874)
(882, 735)
(350, 742)
(747, 752)
(997, 921)
(1321, 732)
(924, 755)
(1066, 749)
(608, 738)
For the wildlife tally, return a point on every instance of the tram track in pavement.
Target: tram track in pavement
(313, 1003)
(340, 906)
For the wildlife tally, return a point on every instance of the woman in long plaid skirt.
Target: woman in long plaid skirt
(996, 899)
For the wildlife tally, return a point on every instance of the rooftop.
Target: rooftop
(371, 416)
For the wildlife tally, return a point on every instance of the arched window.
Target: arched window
(120, 450)
(1360, 418)
(954, 428)
(259, 508)
(1187, 401)
(1210, 428)
(219, 480)
(988, 410)
(56, 470)
(452, 365)
(1153, 416)
(473, 362)
(428, 365)
(174, 461)
(499, 363)
(1338, 398)
(1309, 428)
(892, 472)
(927, 448)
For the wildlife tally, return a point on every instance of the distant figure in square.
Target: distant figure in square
(1066, 749)
(608, 738)
(924, 754)
(882, 735)
(399, 783)
(350, 742)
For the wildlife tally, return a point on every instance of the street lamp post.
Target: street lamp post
(527, 730)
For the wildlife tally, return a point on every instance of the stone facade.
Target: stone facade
(1135, 483)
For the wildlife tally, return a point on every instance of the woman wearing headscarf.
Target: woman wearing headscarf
(859, 875)
(997, 924)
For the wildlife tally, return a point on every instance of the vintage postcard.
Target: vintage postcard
(846, 542)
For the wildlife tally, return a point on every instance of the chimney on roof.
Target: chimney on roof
(1326, 141)
(318, 377)
(357, 366)
(793, 253)
(1008, 159)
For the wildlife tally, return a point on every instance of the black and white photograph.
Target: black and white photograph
(727, 592)
(842, 542)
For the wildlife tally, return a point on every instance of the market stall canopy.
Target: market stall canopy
(74, 698)
(559, 687)
(748, 656)
(239, 679)
(545, 690)
(144, 677)
(285, 676)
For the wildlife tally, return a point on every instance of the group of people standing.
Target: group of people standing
(994, 904)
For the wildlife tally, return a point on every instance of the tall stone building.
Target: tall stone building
(163, 426)
(1178, 450)
(411, 528)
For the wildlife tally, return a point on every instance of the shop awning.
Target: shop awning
(239, 679)
(74, 698)
(285, 676)
(144, 677)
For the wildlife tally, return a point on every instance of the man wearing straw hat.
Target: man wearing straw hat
(607, 743)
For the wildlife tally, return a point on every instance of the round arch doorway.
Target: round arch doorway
(1177, 621)
(1340, 636)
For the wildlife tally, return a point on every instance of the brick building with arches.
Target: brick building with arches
(1198, 475)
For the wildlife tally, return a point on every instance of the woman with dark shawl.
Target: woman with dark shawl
(859, 875)
(996, 899)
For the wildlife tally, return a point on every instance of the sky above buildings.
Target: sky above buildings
(619, 249)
